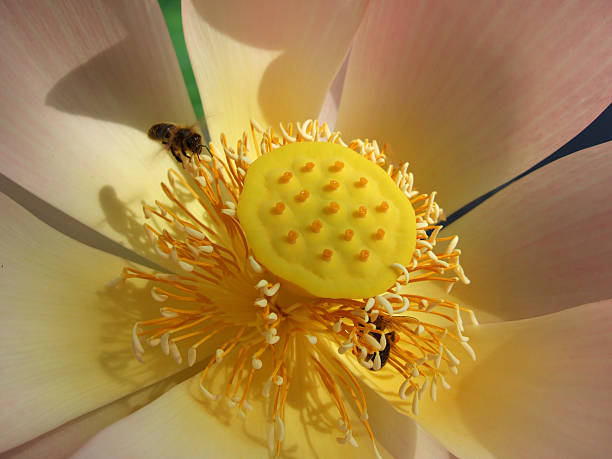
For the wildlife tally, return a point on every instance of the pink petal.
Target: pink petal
(271, 61)
(473, 93)
(81, 83)
(543, 243)
(331, 104)
(65, 340)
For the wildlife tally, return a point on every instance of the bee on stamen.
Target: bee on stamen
(391, 338)
(178, 139)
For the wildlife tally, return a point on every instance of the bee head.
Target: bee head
(194, 143)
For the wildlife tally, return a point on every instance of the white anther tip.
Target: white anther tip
(136, 339)
(403, 270)
(261, 284)
(165, 344)
(185, 266)
(377, 362)
(176, 355)
(403, 390)
(373, 342)
(191, 356)
(272, 317)
(208, 394)
(160, 297)
(469, 350)
(472, 317)
(381, 300)
(179, 226)
(271, 291)
(280, 429)
(415, 403)
(194, 232)
(205, 248)
(254, 265)
(261, 302)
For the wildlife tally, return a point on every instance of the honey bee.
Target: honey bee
(391, 338)
(178, 139)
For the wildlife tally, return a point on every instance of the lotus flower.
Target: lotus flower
(471, 95)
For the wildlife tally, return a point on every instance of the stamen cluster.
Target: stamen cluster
(222, 304)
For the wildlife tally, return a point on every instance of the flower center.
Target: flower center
(326, 219)
(336, 224)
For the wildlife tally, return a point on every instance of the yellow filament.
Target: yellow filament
(228, 293)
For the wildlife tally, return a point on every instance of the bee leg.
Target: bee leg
(175, 154)
(185, 152)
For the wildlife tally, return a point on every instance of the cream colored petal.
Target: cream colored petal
(272, 61)
(184, 424)
(473, 93)
(543, 243)
(65, 346)
(399, 434)
(81, 83)
(540, 388)
(68, 438)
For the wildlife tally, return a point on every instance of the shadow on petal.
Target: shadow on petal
(64, 223)
(66, 439)
(310, 415)
(122, 84)
(278, 62)
(124, 305)
(124, 221)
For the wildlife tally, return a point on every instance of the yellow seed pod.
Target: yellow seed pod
(342, 241)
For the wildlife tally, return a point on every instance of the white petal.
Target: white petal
(82, 82)
(66, 337)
